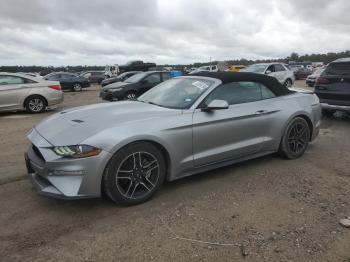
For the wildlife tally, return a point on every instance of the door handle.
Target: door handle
(261, 112)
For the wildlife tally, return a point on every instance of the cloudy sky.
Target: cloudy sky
(100, 32)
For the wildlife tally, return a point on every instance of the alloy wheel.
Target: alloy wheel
(131, 96)
(137, 175)
(36, 105)
(77, 87)
(288, 83)
(298, 137)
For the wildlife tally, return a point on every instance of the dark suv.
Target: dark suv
(134, 86)
(333, 87)
(94, 76)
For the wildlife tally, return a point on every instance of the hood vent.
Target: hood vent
(77, 121)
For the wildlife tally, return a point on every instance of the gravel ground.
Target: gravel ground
(267, 209)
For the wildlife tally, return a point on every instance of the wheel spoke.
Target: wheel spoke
(123, 177)
(134, 159)
(140, 159)
(149, 181)
(145, 186)
(150, 167)
(133, 191)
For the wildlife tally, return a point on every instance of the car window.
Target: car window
(53, 77)
(279, 67)
(166, 76)
(153, 79)
(66, 76)
(271, 68)
(266, 93)
(338, 68)
(239, 92)
(11, 80)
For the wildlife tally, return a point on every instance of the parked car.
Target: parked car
(235, 68)
(69, 81)
(136, 66)
(333, 86)
(20, 91)
(183, 126)
(311, 79)
(94, 76)
(277, 70)
(133, 86)
(120, 78)
(209, 68)
(302, 73)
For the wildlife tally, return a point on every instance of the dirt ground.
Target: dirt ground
(268, 209)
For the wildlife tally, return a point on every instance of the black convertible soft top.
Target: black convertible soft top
(227, 77)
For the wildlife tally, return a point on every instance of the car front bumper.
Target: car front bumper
(335, 107)
(62, 177)
(110, 96)
(310, 81)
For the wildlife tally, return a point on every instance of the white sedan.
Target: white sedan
(277, 70)
(20, 91)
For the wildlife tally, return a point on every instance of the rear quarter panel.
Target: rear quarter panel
(41, 88)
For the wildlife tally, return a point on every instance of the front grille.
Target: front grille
(38, 153)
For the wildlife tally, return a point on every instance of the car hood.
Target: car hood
(71, 127)
(312, 76)
(116, 85)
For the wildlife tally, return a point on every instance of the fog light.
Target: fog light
(67, 173)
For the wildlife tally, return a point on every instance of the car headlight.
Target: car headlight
(116, 89)
(76, 151)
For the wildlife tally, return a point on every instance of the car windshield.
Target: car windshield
(318, 71)
(136, 78)
(255, 68)
(178, 93)
(123, 75)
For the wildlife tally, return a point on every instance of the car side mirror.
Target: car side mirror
(268, 72)
(143, 81)
(216, 104)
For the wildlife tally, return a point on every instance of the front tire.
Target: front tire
(295, 139)
(35, 104)
(288, 83)
(134, 174)
(130, 95)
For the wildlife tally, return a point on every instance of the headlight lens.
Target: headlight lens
(76, 151)
(116, 89)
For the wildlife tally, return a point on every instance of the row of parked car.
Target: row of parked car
(35, 94)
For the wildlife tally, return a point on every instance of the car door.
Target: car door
(238, 131)
(280, 73)
(66, 80)
(13, 89)
(149, 81)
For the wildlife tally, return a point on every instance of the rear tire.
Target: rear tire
(77, 87)
(134, 174)
(35, 104)
(295, 139)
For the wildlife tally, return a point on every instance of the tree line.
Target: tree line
(325, 58)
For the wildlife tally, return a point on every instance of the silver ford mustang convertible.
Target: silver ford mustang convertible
(181, 127)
